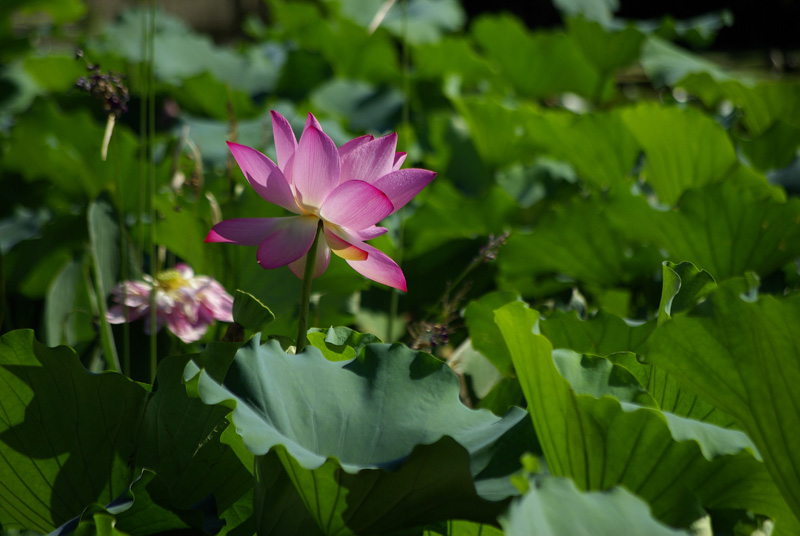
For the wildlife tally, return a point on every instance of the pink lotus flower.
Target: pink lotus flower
(188, 304)
(350, 189)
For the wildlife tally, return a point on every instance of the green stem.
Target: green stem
(305, 295)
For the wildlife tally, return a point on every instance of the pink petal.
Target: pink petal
(311, 121)
(343, 248)
(245, 231)
(214, 301)
(264, 176)
(184, 328)
(379, 267)
(355, 142)
(370, 232)
(315, 171)
(298, 267)
(185, 270)
(399, 158)
(287, 243)
(402, 185)
(370, 160)
(356, 205)
(285, 142)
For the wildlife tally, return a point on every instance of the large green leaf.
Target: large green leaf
(674, 463)
(136, 512)
(684, 148)
(353, 434)
(624, 344)
(607, 50)
(180, 441)
(744, 357)
(722, 228)
(67, 437)
(542, 511)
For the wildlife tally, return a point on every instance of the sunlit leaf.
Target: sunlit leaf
(323, 417)
(676, 464)
(744, 357)
(616, 511)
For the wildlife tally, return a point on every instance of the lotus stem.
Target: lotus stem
(305, 296)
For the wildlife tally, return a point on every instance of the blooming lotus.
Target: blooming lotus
(349, 189)
(186, 303)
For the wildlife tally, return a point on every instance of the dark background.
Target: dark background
(757, 25)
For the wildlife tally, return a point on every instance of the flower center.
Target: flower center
(170, 280)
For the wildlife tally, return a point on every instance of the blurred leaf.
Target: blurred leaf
(55, 73)
(699, 32)
(68, 316)
(61, 449)
(539, 64)
(575, 240)
(436, 211)
(762, 104)
(483, 332)
(344, 44)
(62, 147)
(182, 230)
(606, 49)
(338, 464)
(775, 148)
(202, 94)
(451, 55)
(666, 64)
(479, 373)
(303, 72)
(599, 146)
(593, 10)
(744, 357)
(616, 511)
(29, 264)
(416, 21)
(362, 105)
(676, 464)
(190, 53)
(684, 148)
(61, 11)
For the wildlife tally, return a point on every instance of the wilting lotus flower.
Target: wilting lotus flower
(349, 189)
(188, 304)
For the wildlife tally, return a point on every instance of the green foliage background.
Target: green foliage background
(608, 259)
